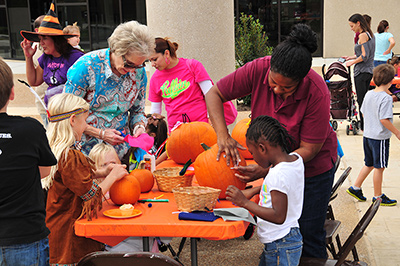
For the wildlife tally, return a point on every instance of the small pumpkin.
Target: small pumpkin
(239, 134)
(216, 174)
(184, 142)
(126, 190)
(145, 178)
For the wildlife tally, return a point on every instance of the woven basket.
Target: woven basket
(196, 198)
(167, 178)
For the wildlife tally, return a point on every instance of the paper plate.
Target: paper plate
(116, 213)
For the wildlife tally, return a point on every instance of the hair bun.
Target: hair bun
(303, 35)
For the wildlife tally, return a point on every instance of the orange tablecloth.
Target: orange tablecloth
(396, 80)
(160, 220)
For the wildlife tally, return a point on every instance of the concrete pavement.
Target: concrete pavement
(379, 246)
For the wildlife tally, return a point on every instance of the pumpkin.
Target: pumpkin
(239, 134)
(168, 163)
(126, 190)
(145, 178)
(216, 174)
(184, 142)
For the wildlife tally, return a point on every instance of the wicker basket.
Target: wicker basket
(196, 198)
(168, 178)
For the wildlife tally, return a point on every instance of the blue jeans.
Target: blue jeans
(285, 251)
(317, 191)
(36, 253)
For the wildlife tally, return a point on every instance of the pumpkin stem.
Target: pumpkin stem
(205, 147)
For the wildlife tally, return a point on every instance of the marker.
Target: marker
(153, 200)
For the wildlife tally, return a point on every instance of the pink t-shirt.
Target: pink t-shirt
(178, 88)
(305, 113)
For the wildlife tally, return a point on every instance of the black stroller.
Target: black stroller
(343, 105)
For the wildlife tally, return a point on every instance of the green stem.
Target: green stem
(205, 147)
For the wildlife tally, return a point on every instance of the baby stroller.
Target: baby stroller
(343, 105)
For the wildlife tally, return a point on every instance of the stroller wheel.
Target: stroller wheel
(347, 130)
(334, 125)
(355, 127)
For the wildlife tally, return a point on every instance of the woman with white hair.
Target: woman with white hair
(113, 81)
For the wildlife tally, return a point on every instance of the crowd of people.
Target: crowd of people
(93, 99)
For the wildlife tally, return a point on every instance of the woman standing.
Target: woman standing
(181, 84)
(384, 43)
(285, 87)
(58, 55)
(113, 81)
(363, 60)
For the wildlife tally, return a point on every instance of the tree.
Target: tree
(251, 42)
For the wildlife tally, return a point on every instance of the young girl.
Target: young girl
(281, 194)
(72, 193)
(158, 129)
(74, 29)
(103, 154)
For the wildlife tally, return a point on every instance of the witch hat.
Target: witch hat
(50, 26)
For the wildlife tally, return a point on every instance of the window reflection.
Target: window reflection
(5, 50)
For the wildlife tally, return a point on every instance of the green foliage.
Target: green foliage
(251, 42)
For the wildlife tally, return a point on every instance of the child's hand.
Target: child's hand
(250, 172)
(118, 171)
(236, 196)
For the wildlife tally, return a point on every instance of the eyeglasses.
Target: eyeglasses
(129, 65)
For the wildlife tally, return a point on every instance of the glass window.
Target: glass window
(68, 15)
(104, 18)
(134, 10)
(5, 50)
(19, 19)
(278, 17)
(71, 1)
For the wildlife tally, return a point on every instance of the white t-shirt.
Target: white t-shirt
(288, 178)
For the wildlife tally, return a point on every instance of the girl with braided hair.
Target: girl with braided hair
(281, 194)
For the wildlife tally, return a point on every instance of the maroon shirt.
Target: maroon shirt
(305, 113)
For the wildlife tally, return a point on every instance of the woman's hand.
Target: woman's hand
(26, 46)
(229, 146)
(250, 172)
(113, 137)
(236, 196)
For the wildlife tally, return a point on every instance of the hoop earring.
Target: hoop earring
(167, 61)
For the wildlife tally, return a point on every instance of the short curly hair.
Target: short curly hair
(132, 37)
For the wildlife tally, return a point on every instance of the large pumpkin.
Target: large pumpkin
(126, 190)
(239, 134)
(145, 178)
(168, 163)
(184, 142)
(212, 173)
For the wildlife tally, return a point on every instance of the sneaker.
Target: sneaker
(386, 201)
(356, 194)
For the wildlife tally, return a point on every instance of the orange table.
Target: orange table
(159, 220)
(396, 80)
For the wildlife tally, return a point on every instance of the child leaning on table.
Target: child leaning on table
(281, 194)
(103, 155)
(72, 193)
(378, 117)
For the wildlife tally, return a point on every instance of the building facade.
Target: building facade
(98, 18)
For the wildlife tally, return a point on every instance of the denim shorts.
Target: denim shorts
(36, 253)
(376, 152)
(285, 251)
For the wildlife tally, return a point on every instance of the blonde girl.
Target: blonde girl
(72, 193)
